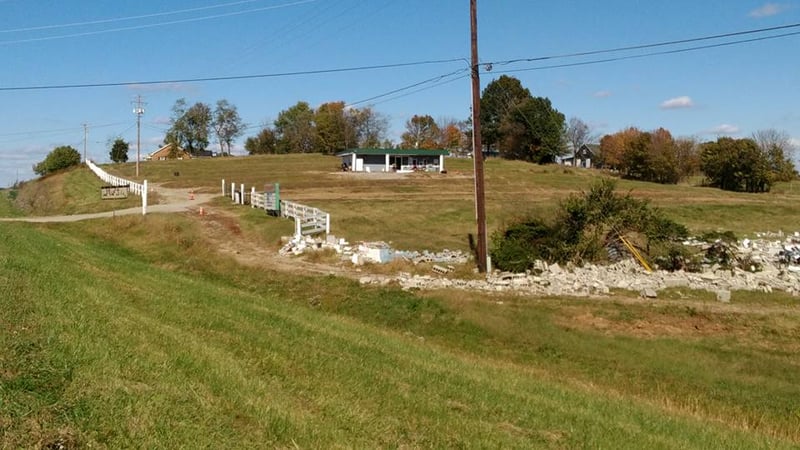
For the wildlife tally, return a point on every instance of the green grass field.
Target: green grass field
(139, 332)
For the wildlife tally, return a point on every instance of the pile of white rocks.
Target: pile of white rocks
(368, 252)
(596, 280)
(775, 254)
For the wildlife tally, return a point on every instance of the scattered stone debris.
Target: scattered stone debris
(778, 269)
(374, 252)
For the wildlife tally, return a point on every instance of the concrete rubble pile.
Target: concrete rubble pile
(778, 261)
(368, 252)
(773, 263)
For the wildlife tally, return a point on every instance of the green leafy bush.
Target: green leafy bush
(583, 227)
(60, 158)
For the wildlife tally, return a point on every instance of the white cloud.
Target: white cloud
(724, 128)
(769, 9)
(677, 102)
(602, 94)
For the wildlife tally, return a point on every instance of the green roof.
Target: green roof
(394, 151)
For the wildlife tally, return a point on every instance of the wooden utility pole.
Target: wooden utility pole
(477, 146)
(138, 109)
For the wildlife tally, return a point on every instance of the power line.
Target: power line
(605, 60)
(652, 45)
(410, 86)
(153, 25)
(646, 55)
(127, 18)
(59, 130)
(229, 78)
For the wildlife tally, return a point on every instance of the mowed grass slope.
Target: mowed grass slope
(133, 333)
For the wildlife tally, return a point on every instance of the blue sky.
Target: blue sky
(730, 90)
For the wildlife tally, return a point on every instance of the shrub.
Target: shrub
(584, 226)
(58, 159)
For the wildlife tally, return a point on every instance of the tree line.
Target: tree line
(333, 127)
(751, 164)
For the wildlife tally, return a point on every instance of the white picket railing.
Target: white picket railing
(307, 220)
(139, 189)
(264, 200)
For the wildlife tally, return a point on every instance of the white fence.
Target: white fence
(136, 188)
(307, 220)
(264, 200)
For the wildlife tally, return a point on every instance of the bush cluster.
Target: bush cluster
(582, 229)
(60, 158)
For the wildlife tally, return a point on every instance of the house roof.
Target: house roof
(165, 149)
(394, 151)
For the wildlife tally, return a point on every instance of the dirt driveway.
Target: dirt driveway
(174, 200)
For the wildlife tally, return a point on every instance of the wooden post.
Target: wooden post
(252, 195)
(241, 198)
(223, 187)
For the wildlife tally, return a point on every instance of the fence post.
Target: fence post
(223, 187)
(252, 195)
(144, 198)
(241, 198)
(327, 224)
(278, 198)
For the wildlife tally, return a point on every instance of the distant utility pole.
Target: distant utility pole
(477, 146)
(85, 137)
(138, 109)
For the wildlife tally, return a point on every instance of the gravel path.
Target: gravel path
(176, 200)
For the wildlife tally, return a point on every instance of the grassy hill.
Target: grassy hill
(141, 332)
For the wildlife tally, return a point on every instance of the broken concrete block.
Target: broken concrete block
(649, 293)
(440, 270)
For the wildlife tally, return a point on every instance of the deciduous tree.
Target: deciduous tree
(421, 132)
(577, 134)
(264, 142)
(119, 151)
(612, 147)
(736, 165)
(532, 131)
(189, 127)
(295, 129)
(332, 128)
(227, 125)
(370, 127)
(497, 101)
(778, 149)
